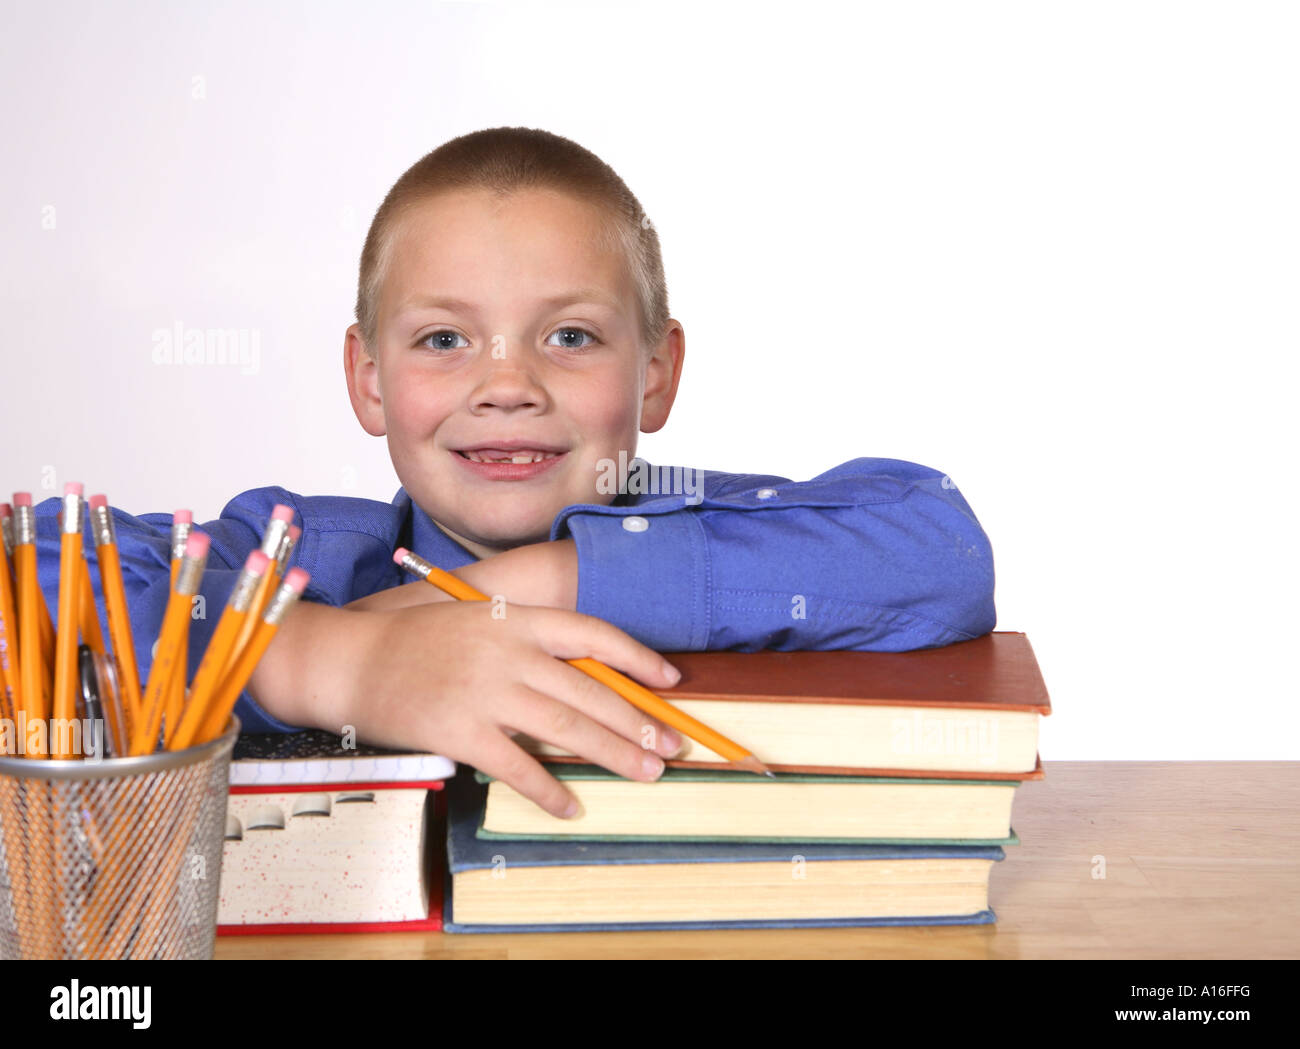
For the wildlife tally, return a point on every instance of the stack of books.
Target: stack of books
(895, 776)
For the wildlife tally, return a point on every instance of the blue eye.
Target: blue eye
(438, 336)
(567, 345)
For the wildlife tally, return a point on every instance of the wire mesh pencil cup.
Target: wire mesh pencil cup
(118, 858)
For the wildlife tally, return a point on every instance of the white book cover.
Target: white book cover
(270, 759)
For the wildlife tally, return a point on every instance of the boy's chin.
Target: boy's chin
(498, 534)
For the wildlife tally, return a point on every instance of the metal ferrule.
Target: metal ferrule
(245, 587)
(276, 532)
(416, 565)
(280, 604)
(7, 532)
(74, 518)
(282, 555)
(24, 525)
(180, 535)
(101, 524)
(187, 579)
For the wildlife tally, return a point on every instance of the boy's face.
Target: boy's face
(504, 334)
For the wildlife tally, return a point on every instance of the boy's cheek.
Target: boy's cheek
(413, 416)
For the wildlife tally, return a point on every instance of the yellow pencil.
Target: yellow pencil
(227, 695)
(65, 652)
(119, 620)
(7, 708)
(182, 524)
(169, 650)
(635, 693)
(212, 669)
(272, 539)
(35, 688)
(9, 619)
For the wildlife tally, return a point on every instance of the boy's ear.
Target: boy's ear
(362, 373)
(662, 373)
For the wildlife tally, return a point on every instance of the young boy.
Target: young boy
(512, 339)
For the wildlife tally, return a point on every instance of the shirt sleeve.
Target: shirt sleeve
(144, 549)
(875, 554)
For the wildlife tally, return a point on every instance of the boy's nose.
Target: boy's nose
(508, 386)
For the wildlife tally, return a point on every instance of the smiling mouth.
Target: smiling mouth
(517, 456)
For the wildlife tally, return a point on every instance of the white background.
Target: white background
(1050, 249)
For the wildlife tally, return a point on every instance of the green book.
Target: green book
(691, 804)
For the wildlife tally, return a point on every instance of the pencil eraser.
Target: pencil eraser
(282, 513)
(295, 532)
(96, 501)
(296, 580)
(197, 544)
(399, 555)
(256, 563)
(182, 517)
(22, 498)
(5, 510)
(73, 488)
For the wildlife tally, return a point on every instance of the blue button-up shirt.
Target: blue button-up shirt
(877, 554)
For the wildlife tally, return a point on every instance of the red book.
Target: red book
(969, 710)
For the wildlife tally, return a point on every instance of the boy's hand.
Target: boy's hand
(537, 574)
(447, 677)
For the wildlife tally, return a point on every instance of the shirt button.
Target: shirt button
(766, 493)
(635, 524)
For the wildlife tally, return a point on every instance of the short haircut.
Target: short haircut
(503, 160)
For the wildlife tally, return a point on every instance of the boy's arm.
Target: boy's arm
(543, 574)
(877, 554)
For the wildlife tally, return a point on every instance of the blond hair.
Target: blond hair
(503, 160)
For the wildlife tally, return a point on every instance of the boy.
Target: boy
(512, 339)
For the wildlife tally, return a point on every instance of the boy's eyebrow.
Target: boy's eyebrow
(567, 298)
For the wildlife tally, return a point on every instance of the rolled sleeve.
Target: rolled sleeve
(647, 573)
(874, 554)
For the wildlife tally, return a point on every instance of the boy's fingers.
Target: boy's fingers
(573, 635)
(553, 677)
(550, 720)
(510, 763)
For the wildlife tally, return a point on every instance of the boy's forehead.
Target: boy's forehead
(464, 244)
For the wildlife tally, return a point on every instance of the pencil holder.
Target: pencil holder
(119, 858)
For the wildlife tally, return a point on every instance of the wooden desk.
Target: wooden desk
(1202, 860)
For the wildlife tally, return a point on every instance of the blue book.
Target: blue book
(559, 886)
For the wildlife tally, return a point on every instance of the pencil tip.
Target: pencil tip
(752, 764)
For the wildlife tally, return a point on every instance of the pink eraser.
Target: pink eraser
(399, 555)
(296, 580)
(295, 532)
(282, 513)
(256, 563)
(73, 488)
(196, 545)
(96, 501)
(182, 517)
(5, 510)
(22, 498)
